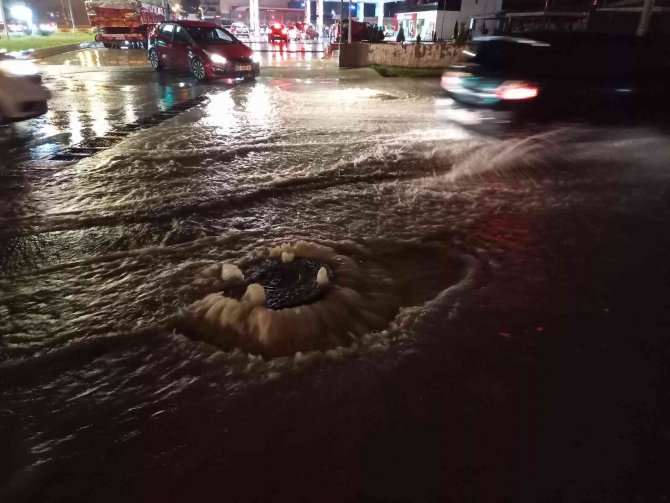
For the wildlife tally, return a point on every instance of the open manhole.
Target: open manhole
(290, 298)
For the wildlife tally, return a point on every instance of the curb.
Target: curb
(54, 51)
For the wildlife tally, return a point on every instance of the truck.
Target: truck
(125, 23)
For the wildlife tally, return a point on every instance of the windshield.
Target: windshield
(211, 35)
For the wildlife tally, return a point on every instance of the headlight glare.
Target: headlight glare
(18, 67)
(217, 58)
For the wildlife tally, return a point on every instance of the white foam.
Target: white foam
(231, 272)
(322, 276)
(254, 295)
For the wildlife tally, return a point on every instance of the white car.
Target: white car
(22, 94)
(239, 30)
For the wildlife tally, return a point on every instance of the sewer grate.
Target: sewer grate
(68, 156)
(92, 146)
(100, 142)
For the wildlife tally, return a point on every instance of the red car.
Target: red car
(205, 49)
(277, 31)
(307, 30)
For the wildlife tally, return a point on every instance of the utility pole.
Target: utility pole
(4, 19)
(444, 14)
(349, 30)
(645, 18)
(74, 26)
(340, 26)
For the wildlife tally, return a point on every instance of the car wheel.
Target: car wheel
(198, 69)
(154, 59)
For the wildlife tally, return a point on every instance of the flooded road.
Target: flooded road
(524, 358)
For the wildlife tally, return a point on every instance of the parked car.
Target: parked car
(239, 30)
(205, 49)
(22, 94)
(552, 75)
(278, 31)
(306, 31)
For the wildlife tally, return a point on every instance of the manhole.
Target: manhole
(290, 298)
(286, 284)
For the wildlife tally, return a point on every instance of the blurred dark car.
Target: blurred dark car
(277, 31)
(205, 49)
(557, 75)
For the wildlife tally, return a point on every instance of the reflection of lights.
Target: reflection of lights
(97, 105)
(129, 113)
(169, 97)
(221, 113)
(259, 106)
(75, 127)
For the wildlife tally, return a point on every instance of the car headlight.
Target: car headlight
(256, 58)
(217, 58)
(18, 67)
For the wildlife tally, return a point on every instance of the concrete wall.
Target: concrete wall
(408, 56)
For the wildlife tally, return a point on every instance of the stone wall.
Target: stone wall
(409, 55)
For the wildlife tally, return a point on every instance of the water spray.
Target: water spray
(290, 298)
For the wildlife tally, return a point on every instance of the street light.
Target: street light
(22, 13)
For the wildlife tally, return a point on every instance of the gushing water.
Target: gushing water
(129, 309)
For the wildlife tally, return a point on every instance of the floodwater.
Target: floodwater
(526, 362)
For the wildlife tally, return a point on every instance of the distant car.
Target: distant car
(205, 49)
(239, 30)
(22, 94)
(45, 29)
(306, 31)
(278, 31)
(18, 27)
(292, 32)
(553, 75)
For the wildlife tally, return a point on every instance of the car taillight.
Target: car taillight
(516, 91)
(284, 31)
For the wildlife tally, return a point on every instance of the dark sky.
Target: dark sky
(42, 7)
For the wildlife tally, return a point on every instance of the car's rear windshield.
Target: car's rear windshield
(211, 35)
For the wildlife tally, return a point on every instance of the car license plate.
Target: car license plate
(243, 68)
